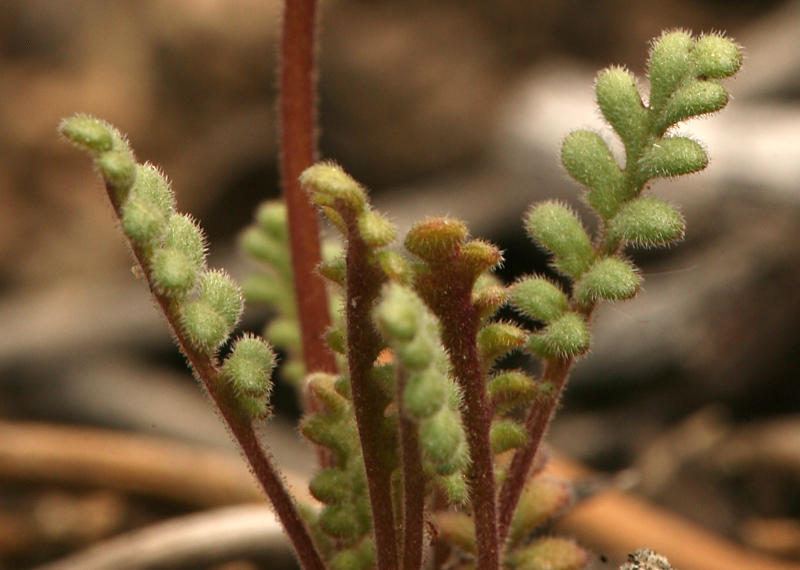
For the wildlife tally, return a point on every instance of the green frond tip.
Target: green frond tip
(621, 104)
(210, 319)
(272, 218)
(435, 239)
(716, 56)
(696, 97)
(89, 133)
(330, 486)
(340, 521)
(323, 387)
(611, 279)
(669, 65)
(539, 299)
(488, 300)
(673, 156)
(394, 266)
(376, 229)
(177, 265)
(332, 432)
(284, 332)
(248, 369)
(555, 227)
(480, 256)
(455, 487)
(222, 293)
(552, 553)
(506, 435)
(510, 389)
(683, 74)
(647, 222)
(497, 339)
(419, 353)
(587, 158)
(399, 312)
(425, 393)
(149, 207)
(442, 441)
(360, 558)
(263, 247)
(118, 168)
(331, 186)
(566, 337)
(205, 327)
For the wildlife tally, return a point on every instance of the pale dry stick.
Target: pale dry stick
(617, 523)
(611, 522)
(191, 541)
(143, 465)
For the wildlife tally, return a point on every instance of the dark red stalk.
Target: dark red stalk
(364, 280)
(413, 485)
(556, 374)
(462, 346)
(536, 423)
(449, 296)
(298, 132)
(267, 474)
(206, 370)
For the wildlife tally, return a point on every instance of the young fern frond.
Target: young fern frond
(344, 202)
(427, 395)
(201, 307)
(419, 417)
(683, 84)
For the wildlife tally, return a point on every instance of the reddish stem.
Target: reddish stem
(536, 423)
(207, 372)
(298, 151)
(539, 416)
(369, 402)
(478, 422)
(267, 474)
(449, 295)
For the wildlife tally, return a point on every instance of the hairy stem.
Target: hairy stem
(413, 485)
(207, 372)
(556, 374)
(536, 423)
(369, 402)
(267, 474)
(298, 151)
(478, 422)
(459, 335)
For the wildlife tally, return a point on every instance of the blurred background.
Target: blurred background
(438, 107)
